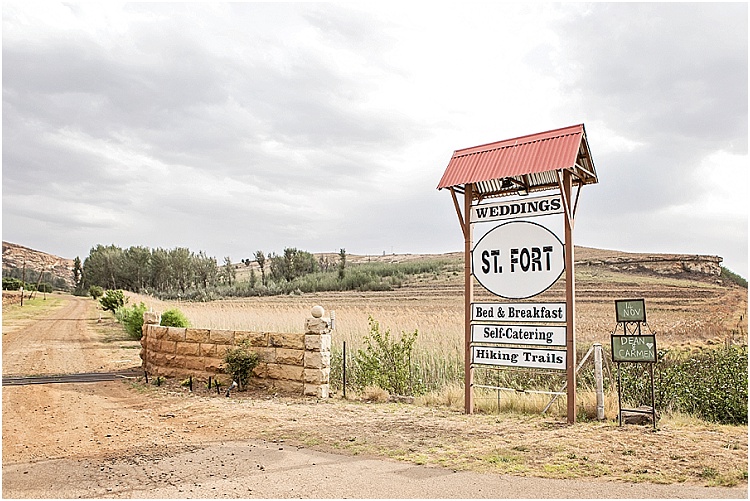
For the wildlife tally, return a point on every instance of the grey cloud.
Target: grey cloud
(663, 72)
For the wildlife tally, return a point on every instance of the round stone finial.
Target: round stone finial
(317, 311)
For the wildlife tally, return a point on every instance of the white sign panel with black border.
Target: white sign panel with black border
(541, 335)
(518, 259)
(527, 358)
(514, 209)
(518, 312)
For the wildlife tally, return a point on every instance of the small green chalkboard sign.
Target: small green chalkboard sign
(630, 310)
(640, 348)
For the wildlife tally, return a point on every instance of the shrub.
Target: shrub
(385, 362)
(112, 300)
(12, 284)
(711, 384)
(96, 292)
(174, 318)
(132, 319)
(240, 361)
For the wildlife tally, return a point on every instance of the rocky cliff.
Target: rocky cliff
(15, 255)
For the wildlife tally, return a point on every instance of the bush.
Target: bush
(174, 318)
(96, 292)
(112, 300)
(385, 362)
(132, 319)
(240, 361)
(12, 284)
(710, 385)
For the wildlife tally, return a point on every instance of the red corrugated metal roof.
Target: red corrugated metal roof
(523, 160)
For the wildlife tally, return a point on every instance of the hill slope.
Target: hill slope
(14, 257)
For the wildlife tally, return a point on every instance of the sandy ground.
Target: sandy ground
(127, 439)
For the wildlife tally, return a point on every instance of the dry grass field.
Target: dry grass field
(689, 311)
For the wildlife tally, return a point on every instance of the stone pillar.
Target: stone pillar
(149, 318)
(317, 363)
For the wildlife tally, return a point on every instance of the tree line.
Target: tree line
(180, 270)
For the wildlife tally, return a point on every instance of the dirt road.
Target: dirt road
(127, 439)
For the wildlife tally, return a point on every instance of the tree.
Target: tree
(161, 272)
(77, 275)
(294, 263)
(206, 269)
(342, 263)
(137, 264)
(181, 262)
(228, 271)
(112, 300)
(261, 260)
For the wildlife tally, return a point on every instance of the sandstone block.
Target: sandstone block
(157, 331)
(197, 335)
(317, 376)
(259, 339)
(317, 325)
(222, 337)
(285, 372)
(151, 318)
(317, 390)
(317, 359)
(261, 371)
(175, 334)
(207, 350)
(318, 342)
(167, 346)
(221, 349)
(267, 355)
(289, 387)
(187, 349)
(195, 363)
(213, 365)
(291, 341)
(289, 357)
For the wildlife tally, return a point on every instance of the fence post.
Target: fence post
(599, 377)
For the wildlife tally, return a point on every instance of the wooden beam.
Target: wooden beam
(468, 299)
(570, 294)
(458, 211)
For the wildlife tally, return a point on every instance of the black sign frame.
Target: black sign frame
(620, 316)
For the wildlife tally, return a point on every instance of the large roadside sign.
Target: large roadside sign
(518, 259)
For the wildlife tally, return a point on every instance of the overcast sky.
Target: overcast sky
(244, 127)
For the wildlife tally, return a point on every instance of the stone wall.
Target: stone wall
(291, 364)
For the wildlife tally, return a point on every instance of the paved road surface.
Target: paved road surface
(268, 470)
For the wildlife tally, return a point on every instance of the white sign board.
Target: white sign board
(519, 312)
(528, 358)
(523, 208)
(543, 335)
(518, 259)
